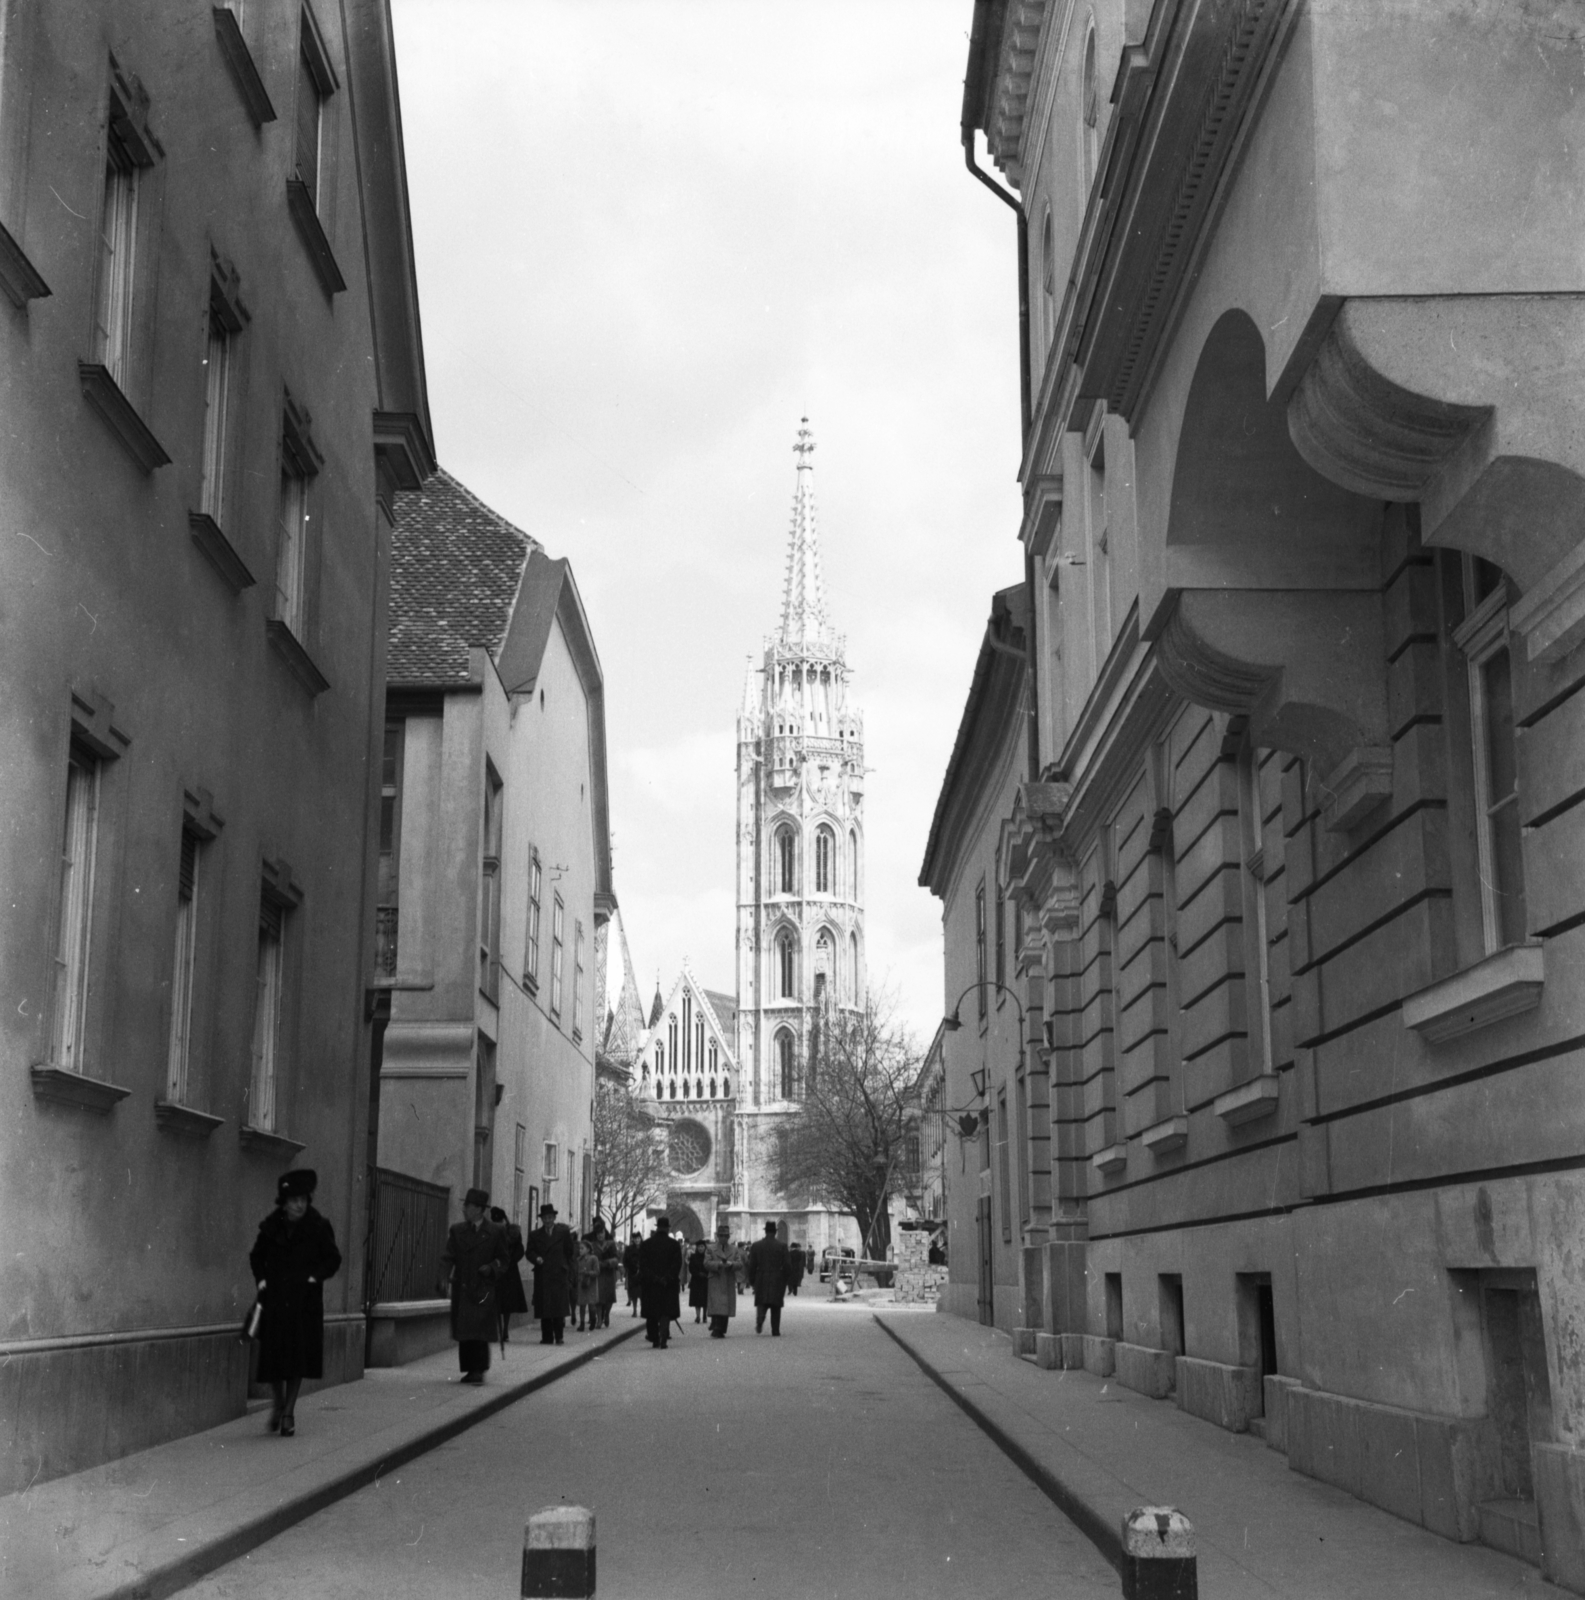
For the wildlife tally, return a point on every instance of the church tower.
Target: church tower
(800, 867)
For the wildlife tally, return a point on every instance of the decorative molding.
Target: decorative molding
(280, 883)
(1167, 1136)
(185, 1119)
(1249, 1102)
(1112, 1159)
(1356, 786)
(1367, 433)
(225, 292)
(1551, 616)
(315, 241)
(19, 278)
(75, 1088)
(199, 815)
(220, 551)
(93, 723)
(289, 647)
(1203, 675)
(129, 117)
(131, 431)
(1501, 986)
(297, 435)
(1009, 108)
(244, 72)
(268, 1143)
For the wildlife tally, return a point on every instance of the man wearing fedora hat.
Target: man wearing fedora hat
(477, 1253)
(552, 1251)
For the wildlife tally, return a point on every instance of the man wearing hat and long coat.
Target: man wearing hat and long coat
(477, 1254)
(768, 1274)
(659, 1277)
(552, 1251)
(721, 1265)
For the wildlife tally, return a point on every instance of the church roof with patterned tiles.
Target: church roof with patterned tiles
(456, 567)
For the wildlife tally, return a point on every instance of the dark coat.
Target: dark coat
(553, 1254)
(292, 1260)
(509, 1294)
(659, 1274)
(795, 1261)
(610, 1259)
(698, 1280)
(630, 1267)
(478, 1254)
(769, 1271)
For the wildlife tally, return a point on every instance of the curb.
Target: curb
(168, 1578)
(1095, 1524)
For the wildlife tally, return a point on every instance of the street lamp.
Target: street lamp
(952, 1021)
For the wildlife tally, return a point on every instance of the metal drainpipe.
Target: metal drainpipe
(1024, 409)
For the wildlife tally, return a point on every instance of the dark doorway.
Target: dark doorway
(987, 1294)
(1114, 1305)
(1171, 1292)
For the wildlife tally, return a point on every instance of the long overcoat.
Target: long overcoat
(721, 1267)
(553, 1254)
(292, 1260)
(769, 1271)
(509, 1296)
(698, 1280)
(630, 1269)
(478, 1254)
(610, 1256)
(659, 1272)
(795, 1263)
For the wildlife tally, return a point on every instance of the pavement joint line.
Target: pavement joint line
(170, 1577)
(1096, 1528)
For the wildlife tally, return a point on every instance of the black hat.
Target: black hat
(770, 1227)
(662, 1224)
(547, 1210)
(300, 1180)
(497, 1214)
(477, 1197)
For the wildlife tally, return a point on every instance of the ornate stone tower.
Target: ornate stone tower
(800, 866)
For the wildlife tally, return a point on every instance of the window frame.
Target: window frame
(269, 1007)
(75, 884)
(115, 287)
(786, 859)
(300, 462)
(316, 74)
(577, 978)
(178, 1060)
(558, 927)
(490, 885)
(786, 965)
(980, 967)
(531, 936)
(825, 859)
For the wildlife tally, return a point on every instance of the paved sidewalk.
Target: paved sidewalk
(151, 1523)
(1099, 1450)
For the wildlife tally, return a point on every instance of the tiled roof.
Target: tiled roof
(455, 570)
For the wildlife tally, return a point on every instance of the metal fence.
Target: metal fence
(408, 1232)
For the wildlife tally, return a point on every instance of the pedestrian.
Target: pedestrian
(610, 1262)
(795, 1264)
(698, 1281)
(588, 1285)
(721, 1265)
(768, 1271)
(630, 1269)
(476, 1256)
(509, 1296)
(552, 1251)
(293, 1255)
(659, 1263)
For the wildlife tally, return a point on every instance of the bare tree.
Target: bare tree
(847, 1144)
(629, 1157)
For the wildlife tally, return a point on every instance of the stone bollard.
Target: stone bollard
(1158, 1555)
(558, 1553)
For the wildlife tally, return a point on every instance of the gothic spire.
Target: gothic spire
(803, 611)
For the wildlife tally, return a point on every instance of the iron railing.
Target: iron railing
(408, 1229)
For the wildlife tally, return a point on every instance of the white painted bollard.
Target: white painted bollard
(558, 1554)
(1159, 1562)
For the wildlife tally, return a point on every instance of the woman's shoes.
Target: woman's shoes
(288, 1425)
(275, 1419)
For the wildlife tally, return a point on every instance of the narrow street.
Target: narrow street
(823, 1463)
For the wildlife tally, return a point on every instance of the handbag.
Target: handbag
(250, 1323)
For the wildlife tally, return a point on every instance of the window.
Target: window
(179, 1051)
(689, 1059)
(825, 852)
(785, 965)
(531, 944)
(217, 387)
(1089, 131)
(787, 1064)
(78, 848)
(671, 1033)
(853, 864)
(1483, 638)
(490, 888)
(125, 153)
(269, 975)
(387, 899)
(1100, 557)
(1048, 282)
(1003, 1171)
(300, 461)
(1001, 938)
(979, 944)
(714, 1055)
(698, 1042)
(314, 87)
(577, 979)
(552, 1163)
(1254, 908)
(557, 923)
(853, 969)
(660, 1058)
(519, 1170)
(784, 860)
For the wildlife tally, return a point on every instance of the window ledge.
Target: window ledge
(1501, 986)
(1112, 1159)
(268, 1143)
(290, 649)
(185, 1119)
(131, 431)
(75, 1088)
(1166, 1136)
(244, 72)
(1249, 1101)
(222, 554)
(312, 232)
(19, 278)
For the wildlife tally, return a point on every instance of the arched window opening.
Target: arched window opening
(853, 969)
(685, 1088)
(787, 1064)
(1089, 132)
(726, 1088)
(712, 1088)
(674, 1089)
(853, 864)
(785, 964)
(784, 860)
(825, 860)
(660, 1059)
(1048, 281)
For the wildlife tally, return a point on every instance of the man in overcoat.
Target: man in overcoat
(630, 1269)
(795, 1263)
(552, 1251)
(476, 1255)
(721, 1264)
(659, 1272)
(768, 1272)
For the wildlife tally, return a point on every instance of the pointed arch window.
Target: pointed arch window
(786, 965)
(712, 1088)
(660, 1059)
(853, 863)
(825, 860)
(853, 969)
(685, 1088)
(784, 859)
(787, 1064)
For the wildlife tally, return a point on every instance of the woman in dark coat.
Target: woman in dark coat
(509, 1296)
(293, 1255)
(630, 1270)
(698, 1281)
(476, 1257)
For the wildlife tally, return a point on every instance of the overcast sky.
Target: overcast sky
(651, 235)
